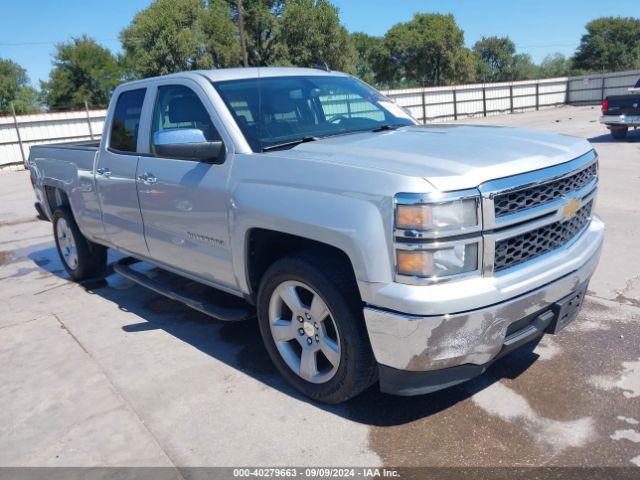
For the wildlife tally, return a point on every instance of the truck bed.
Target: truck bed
(63, 163)
(81, 145)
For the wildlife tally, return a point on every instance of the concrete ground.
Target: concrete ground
(112, 374)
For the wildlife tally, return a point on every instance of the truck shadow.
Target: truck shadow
(632, 137)
(240, 346)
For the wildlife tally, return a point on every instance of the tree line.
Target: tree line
(176, 35)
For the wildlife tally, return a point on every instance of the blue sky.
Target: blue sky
(30, 28)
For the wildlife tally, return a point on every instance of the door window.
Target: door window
(126, 121)
(178, 107)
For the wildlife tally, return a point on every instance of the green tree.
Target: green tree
(554, 65)
(82, 71)
(499, 62)
(311, 31)
(15, 89)
(427, 50)
(371, 54)
(262, 26)
(221, 42)
(177, 35)
(522, 68)
(610, 44)
(495, 58)
(465, 66)
(166, 37)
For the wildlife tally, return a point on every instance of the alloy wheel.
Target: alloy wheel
(304, 331)
(67, 244)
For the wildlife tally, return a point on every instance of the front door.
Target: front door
(116, 175)
(184, 202)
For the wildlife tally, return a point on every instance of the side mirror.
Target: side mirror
(187, 144)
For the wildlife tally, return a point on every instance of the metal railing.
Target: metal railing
(433, 104)
(430, 104)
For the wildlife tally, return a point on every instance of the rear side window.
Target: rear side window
(126, 121)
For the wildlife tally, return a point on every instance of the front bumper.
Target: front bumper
(468, 340)
(621, 120)
(550, 319)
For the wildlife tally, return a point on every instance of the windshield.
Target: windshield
(280, 110)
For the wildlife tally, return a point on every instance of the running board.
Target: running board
(237, 312)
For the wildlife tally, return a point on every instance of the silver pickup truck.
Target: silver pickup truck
(369, 247)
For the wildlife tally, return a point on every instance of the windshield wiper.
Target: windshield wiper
(293, 143)
(290, 144)
(386, 126)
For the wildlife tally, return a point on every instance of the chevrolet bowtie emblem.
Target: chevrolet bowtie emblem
(571, 207)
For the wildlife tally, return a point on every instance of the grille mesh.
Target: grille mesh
(526, 198)
(526, 246)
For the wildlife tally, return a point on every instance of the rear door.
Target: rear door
(184, 202)
(116, 174)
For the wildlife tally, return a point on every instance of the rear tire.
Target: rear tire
(80, 257)
(619, 132)
(323, 278)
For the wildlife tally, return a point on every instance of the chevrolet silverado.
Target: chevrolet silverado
(370, 248)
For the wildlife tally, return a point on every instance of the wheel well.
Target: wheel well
(56, 197)
(267, 246)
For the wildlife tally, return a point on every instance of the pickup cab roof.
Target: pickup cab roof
(245, 73)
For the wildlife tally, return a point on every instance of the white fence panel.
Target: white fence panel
(432, 104)
(498, 98)
(585, 89)
(46, 128)
(468, 101)
(553, 92)
(619, 84)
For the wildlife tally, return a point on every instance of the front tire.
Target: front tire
(311, 321)
(619, 132)
(81, 258)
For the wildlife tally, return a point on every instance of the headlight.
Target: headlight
(438, 262)
(437, 235)
(448, 215)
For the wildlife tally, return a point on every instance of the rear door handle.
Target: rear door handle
(105, 172)
(147, 178)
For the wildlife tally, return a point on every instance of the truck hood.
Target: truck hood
(450, 157)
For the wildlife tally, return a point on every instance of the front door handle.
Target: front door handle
(147, 178)
(105, 172)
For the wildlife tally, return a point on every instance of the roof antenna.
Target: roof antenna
(321, 65)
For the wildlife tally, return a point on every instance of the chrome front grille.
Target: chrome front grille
(515, 250)
(530, 197)
(531, 214)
